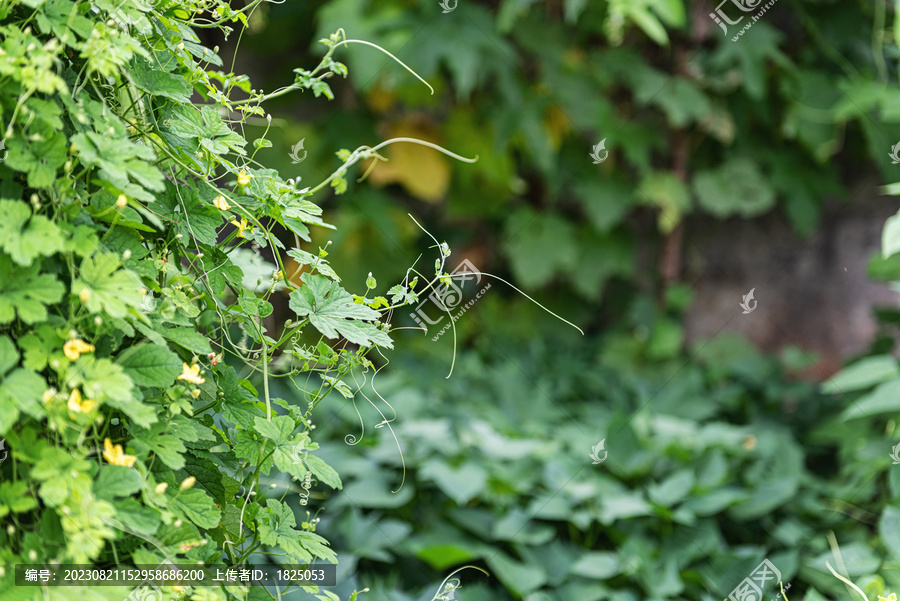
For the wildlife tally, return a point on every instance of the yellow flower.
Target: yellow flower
(161, 488)
(244, 178)
(240, 226)
(76, 405)
(122, 201)
(191, 374)
(75, 347)
(219, 202)
(188, 483)
(116, 456)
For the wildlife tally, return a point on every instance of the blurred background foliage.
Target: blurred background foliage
(718, 458)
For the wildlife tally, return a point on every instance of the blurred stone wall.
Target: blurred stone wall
(813, 292)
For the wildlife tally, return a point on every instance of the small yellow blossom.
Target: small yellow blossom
(76, 347)
(191, 374)
(188, 483)
(116, 456)
(161, 488)
(195, 393)
(240, 226)
(76, 405)
(244, 178)
(85, 295)
(48, 395)
(220, 203)
(122, 201)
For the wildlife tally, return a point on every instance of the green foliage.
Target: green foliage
(712, 466)
(134, 214)
(696, 125)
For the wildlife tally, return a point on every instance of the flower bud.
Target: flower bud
(84, 295)
(188, 483)
(122, 201)
(161, 488)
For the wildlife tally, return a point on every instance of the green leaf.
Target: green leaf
(278, 430)
(105, 381)
(25, 243)
(518, 577)
(673, 489)
(108, 288)
(150, 365)
(736, 188)
(188, 338)
(159, 440)
(884, 399)
(20, 391)
(25, 293)
(890, 235)
(277, 529)
(196, 506)
(539, 245)
(889, 530)
(330, 309)
(460, 484)
(863, 374)
(116, 481)
(15, 497)
(670, 194)
(597, 564)
(9, 356)
(159, 83)
(323, 472)
(139, 518)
